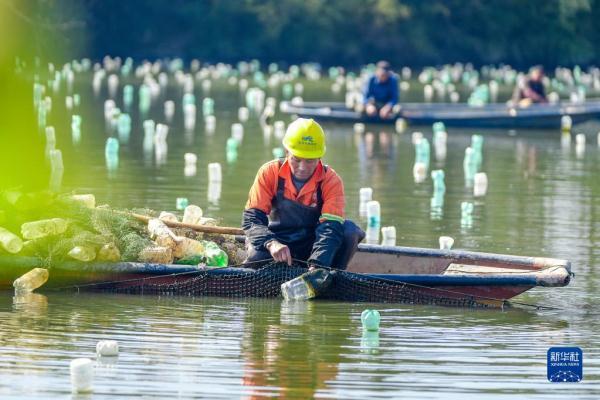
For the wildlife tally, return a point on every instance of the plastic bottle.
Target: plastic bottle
(169, 107)
(389, 236)
(373, 221)
(365, 195)
(83, 253)
(10, 242)
(156, 255)
(214, 172)
(109, 252)
(400, 125)
(186, 247)
(359, 127)
(446, 242)
(208, 106)
(480, 184)
(43, 228)
(370, 320)
(566, 122)
(192, 214)
(215, 256)
(307, 285)
(31, 280)
(181, 203)
(243, 114)
(88, 200)
(438, 181)
(82, 375)
(167, 216)
(107, 348)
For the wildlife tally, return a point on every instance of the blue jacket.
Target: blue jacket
(381, 92)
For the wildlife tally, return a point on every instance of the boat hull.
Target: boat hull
(376, 273)
(459, 115)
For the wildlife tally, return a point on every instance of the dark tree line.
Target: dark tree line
(333, 32)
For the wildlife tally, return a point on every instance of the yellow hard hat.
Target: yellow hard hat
(305, 138)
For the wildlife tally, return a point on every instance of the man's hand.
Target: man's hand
(386, 111)
(371, 110)
(280, 252)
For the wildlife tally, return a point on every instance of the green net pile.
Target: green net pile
(91, 228)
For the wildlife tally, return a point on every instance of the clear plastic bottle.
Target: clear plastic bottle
(186, 247)
(88, 200)
(31, 280)
(109, 252)
(10, 242)
(192, 214)
(43, 228)
(156, 255)
(83, 253)
(307, 285)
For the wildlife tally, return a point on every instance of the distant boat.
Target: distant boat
(458, 114)
(389, 274)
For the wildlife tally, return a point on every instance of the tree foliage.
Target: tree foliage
(346, 32)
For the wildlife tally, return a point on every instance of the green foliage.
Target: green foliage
(333, 32)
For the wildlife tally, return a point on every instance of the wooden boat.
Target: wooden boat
(376, 273)
(458, 114)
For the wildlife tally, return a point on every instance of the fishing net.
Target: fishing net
(91, 228)
(266, 281)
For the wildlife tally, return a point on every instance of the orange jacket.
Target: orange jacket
(265, 187)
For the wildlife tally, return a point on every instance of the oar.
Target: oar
(223, 230)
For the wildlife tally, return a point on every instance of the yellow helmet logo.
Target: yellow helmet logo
(305, 138)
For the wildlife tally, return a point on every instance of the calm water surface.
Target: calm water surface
(543, 200)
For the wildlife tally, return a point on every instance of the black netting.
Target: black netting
(266, 282)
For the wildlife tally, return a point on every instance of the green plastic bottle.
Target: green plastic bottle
(215, 256)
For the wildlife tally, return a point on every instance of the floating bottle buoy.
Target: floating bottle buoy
(243, 114)
(437, 176)
(446, 242)
(107, 348)
(566, 122)
(400, 125)
(82, 375)
(370, 320)
(214, 172)
(169, 108)
(389, 235)
(181, 203)
(373, 222)
(365, 195)
(480, 184)
(359, 127)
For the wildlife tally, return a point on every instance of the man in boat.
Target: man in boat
(295, 208)
(532, 89)
(380, 95)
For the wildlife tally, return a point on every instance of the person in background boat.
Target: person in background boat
(295, 208)
(380, 96)
(531, 90)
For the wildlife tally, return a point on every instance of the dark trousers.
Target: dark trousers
(301, 251)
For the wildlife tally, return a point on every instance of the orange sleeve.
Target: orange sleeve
(334, 202)
(264, 187)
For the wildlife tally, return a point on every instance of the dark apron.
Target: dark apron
(294, 223)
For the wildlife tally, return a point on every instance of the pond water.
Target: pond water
(543, 200)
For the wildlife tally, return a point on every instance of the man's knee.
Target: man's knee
(352, 233)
